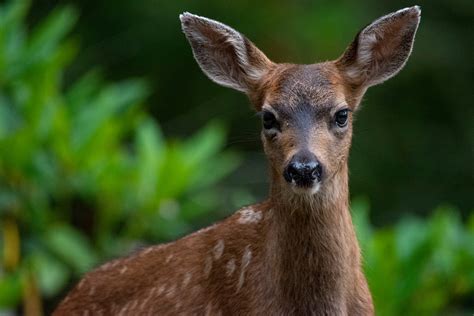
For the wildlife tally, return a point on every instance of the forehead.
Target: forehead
(294, 87)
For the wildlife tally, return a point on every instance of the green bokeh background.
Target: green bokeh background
(92, 171)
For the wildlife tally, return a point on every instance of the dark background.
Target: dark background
(414, 137)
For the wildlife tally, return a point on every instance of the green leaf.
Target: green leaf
(207, 142)
(111, 101)
(47, 36)
(10, 289)
(71, 247)
(150, 156)
(52, 275)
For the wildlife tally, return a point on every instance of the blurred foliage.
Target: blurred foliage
(418, 267)
(84, 172)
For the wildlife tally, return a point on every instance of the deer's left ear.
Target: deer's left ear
(226, 56)
(381, 49)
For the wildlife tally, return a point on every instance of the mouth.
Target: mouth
(305, 188)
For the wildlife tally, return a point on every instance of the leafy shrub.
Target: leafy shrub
(84, 171)
(418, 267)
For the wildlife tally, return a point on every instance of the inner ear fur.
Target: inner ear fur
(381, 49)
(226, 56)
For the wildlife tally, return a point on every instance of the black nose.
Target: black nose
(304, 169)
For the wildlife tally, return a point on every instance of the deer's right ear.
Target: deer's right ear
(381, 49)
(223, 54)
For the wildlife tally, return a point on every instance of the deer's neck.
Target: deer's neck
(312, 245)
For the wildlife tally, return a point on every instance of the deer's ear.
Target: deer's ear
(223, 54)
(381, 49)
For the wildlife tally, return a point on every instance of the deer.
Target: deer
(296, 253)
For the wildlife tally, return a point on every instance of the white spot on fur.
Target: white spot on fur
(161, 290)
(143, 304)
(207, 266)
(147, 298)
(230, 267)
(269, 214)
(247, 256)
(109, 265)
(168, 259)
(146, 251)
(66, 299)
(92, 291)
(218, 249)
(248, 215)
(123, 311)
(208, 309)
(205, 229)
(123, 270)
(171, 290)
(187, 279)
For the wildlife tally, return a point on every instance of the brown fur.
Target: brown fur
(295, 253)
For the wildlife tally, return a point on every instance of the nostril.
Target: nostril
(317, 172)
(308, 171)
(293, 171)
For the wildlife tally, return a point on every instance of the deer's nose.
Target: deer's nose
(304, 169)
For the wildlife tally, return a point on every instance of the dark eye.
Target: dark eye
(269, 120)
(341, 117)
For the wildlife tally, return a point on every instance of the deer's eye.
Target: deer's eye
(269, 120)
(341, 117)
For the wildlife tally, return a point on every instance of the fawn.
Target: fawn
(295, 253)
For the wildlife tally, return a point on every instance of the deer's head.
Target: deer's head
(306, 110)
